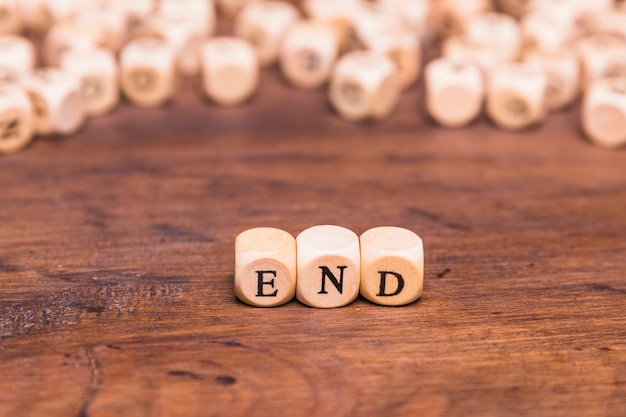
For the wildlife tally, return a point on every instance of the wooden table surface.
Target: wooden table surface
(117, 259)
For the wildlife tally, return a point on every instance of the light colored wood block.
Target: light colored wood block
(460, 49)
(147, 72)
(10, 18)
(562, 71)
(68, 34)
(497, 31)
(308, 53)
(265, 267)
(449, 17)
(392, 266)
(97, 72)
(545, 33)
(328, 266)
(516, 96)
(339, 14)
(17, 126)
(364, 85)
(264, 23)
(604, 112)
(454, 91)
(110, 22)
(230, 70)
(17, 56)
(134, 12)
(414, 15)
(56, 100)
(371, 21)
(601, 56)
(197, 15)
(183, 37)
(405, 50)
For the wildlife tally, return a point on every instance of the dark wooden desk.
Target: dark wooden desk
(116, 266)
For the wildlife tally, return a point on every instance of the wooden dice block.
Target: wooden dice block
(604, 112)
(516, 96)
(404, 49)
(17, 56)
(96, 70)
(147, 72)
(562, 74)
(454, 91)
(110, 23)
(363, 86)
(449, 17)
(495, 30)
(545, 33)
(264, 24)
(198, 15)
(601, 56)
(56, 101)
(230, 70)
(265, 267)
(339, 14)
(460, 49)
(10, 18)
(66, 35)
(183, 37)
(328, 266)
(392, 266)
(413, 13)
(308, 53)
(16, 119)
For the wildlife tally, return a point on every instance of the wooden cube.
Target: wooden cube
(16, 119)
(339, 14)
(601, 56)
(182, 37)
(230, 70)
(497, 31)
(97, 72)
(449, 17)
(516, 96)
(56, 100)
(265, 267)
(460, 49)
(454, 91)
(66, 35)
(404, 49)
(604, 112)
(545, 33)
(308, 53)
(364, 85)
(197, 15)
(264, 23)
(328, 266)
(109, 22)
(10, 18)
(17, 56)
(414, 15)
(562, 75)
(392, 266)
(147, 72)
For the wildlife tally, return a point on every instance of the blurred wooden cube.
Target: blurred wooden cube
(147, 72)
(516, 96)
(364, 85)
(97, 72)
(230, 70)
(604, 112)
(264, 24)
(56, 101)
(454, 91)
(308, 53)
(17, 125)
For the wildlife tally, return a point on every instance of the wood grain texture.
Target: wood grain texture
(117, 260)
